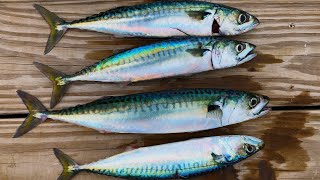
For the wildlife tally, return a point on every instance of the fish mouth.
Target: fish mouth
(264, 109)
(254, 25)
(249, 56)
(256, 22)
(261, 145)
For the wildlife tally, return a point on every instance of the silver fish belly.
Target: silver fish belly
(154, 119)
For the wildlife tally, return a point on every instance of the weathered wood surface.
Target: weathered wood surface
(291, 151)
(287, 70)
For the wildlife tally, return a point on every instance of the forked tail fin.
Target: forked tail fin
(70, 167)
(56, 25)
(60, 85)
(34, 106)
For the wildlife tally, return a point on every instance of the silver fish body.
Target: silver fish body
(167, 18)
(169, 58)
(164, 112)
(158, 19)
(175, 160)
(174, 111)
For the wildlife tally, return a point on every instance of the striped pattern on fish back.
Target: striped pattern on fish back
(152, 52)
(144, 10)
(149, 102)
(187, 169)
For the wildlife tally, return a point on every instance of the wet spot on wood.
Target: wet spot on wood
(304, 98)
(202, 80)
(265, 171)
(261, 61)
(238, 82)
(252, 69)
(283, 138)
(228, 173)
(98, 54)
(283, 143)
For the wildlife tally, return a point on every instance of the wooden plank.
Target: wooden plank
(291, 151)
(287, 68)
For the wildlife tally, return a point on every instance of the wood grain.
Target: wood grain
(287, 70)
(291, 151)
(288, 43)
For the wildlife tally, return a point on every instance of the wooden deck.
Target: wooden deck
(287, 70)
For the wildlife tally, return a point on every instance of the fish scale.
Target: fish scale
(164, 170)
(138, 55)
(140, 100)
(159, 50)
(147, 9)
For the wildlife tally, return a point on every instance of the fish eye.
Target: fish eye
(240, 48)
(242, 18)
(253, 102)
(249, 148)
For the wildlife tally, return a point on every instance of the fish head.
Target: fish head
(243, 106)
(236, 148)
(229, 53)
(234, 21)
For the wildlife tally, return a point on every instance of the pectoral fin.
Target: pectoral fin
(197, 52)
(198, 15)
(214, 112)
(217, 158)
